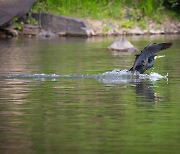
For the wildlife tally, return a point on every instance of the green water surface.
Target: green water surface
(87, 116)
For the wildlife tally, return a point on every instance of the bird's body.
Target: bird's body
(145, 59)
(144, 65)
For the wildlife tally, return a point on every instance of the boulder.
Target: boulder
(13, 8)
(122, 45)
(63, 25)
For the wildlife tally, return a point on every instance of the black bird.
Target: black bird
(145, 59)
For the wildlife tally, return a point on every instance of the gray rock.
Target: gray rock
(30, 30)
(158, 31)
(12, 32)
(63, 25)
(114, 32)
(46, 34)
(62, 34)
(8, 32)
(122, 45)
(172, 28)
(136, 31)
(13, 8)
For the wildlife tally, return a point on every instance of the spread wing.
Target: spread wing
(150, 50)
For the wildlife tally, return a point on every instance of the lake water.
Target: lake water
(67, 95)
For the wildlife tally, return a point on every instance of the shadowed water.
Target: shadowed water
(72, 95)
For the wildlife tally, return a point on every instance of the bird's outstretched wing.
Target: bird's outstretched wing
(148, 51)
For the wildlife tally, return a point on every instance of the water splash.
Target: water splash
(125, 76)
(114, 76)
(153, 76)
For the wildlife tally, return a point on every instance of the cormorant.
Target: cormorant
(145, 59)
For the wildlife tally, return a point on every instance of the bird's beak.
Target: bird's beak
(156, 57)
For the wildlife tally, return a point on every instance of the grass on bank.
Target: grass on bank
(128, 13)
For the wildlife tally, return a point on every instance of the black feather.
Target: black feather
(148, 51)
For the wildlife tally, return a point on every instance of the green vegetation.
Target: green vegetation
(130, 12)
(106, 28)
(19, 23)
(31, 20)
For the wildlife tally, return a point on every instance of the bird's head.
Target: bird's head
(160, 56)
(154, 56)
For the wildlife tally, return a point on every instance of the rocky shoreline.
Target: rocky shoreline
(14, 21)
(56, 26)
(168, 27)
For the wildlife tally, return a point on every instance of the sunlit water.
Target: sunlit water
(72, 95)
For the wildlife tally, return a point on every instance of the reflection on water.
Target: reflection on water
(86, 109)
(145, 92)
